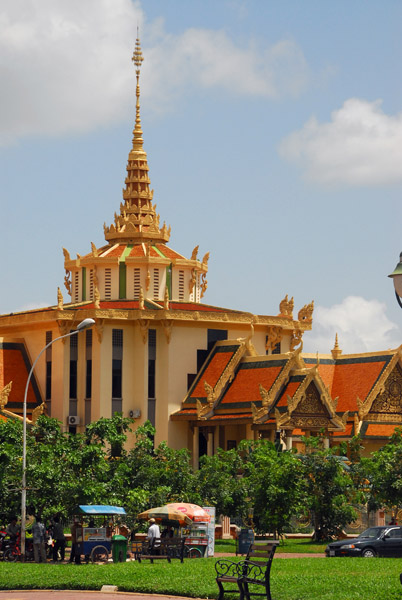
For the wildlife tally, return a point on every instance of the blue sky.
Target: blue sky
(274, 140)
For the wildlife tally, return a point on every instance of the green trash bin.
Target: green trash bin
(119, 548)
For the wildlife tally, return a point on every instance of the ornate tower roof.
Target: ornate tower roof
(138, 221)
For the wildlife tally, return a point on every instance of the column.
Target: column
(196, 447)
(210, 443)
(289, 440)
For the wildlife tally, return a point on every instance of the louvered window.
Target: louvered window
(108, 284)
(137, 283)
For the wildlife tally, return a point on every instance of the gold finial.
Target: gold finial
(137, 221)
(59, 299)
(336, 351)
(137, 55)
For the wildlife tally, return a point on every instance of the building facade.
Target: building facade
(205, 376)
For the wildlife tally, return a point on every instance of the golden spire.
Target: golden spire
(336, 351)
(137, 221)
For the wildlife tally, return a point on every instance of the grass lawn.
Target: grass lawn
(304, 545)
(291, 579)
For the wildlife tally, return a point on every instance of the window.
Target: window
(151, 374)
(76, 286)
(108, 284)
(181, 285)
(277, 348)
(137, 283)
(156, 284)
(73, 367)
(48, 366)
(91, 284)
(117, 369)
(88, 358)
(215, 335)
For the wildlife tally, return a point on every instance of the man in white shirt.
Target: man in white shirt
(153, 536)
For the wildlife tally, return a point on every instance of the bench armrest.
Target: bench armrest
(227, 568)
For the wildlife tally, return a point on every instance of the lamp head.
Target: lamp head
(85, 324)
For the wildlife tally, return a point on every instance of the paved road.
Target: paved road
(79, 595)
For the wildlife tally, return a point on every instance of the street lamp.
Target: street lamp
(397, 277)
(83, 325)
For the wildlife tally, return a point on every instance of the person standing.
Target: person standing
(39, 535)
(75, 554)
(59, 539)
(154, 536)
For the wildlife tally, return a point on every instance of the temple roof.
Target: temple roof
(273, 390)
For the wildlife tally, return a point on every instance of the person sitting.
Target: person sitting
(13, 529)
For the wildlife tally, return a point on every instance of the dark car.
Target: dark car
(375, 541)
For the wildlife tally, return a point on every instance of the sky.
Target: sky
(274, 138)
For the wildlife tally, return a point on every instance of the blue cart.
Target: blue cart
(95, 542)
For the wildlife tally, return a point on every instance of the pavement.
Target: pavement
(80, 595)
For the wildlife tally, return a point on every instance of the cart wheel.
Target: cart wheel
(194, 553)
(99, 554)
(10, 555)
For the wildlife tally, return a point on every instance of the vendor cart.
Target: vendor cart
(196, 540)
(95, 530)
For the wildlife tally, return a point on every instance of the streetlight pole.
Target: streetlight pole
(396, 275)
(83, 325)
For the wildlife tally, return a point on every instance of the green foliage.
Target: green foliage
(276, 486)
(329, 489)
(384, 472)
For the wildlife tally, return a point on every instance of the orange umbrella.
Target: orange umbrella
(195, 512)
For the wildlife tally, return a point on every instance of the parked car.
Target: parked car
(375, 541)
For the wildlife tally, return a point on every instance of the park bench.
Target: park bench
(253, 571)
(159, 549)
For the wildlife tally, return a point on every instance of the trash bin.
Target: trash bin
(119, 548)
(246, 537)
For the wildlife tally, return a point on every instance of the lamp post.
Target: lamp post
(396, 275)
(83, 325)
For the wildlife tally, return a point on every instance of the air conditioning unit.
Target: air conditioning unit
(135, 413)
(73, 420)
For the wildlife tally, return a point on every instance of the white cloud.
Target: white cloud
(360, 146)
(65, 65)
(210, 59)
(362, 326)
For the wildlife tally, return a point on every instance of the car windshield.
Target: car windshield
(371, 532)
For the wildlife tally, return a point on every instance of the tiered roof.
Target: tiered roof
(346, 394)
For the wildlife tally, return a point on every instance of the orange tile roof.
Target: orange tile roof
(213, 371)
(118, 251)
(348, 378)
(15, 366)
(226, 417)
(245, 386)
(168, 252)
(137, 251)
(195, 306)
(380, 430)
(289, 390)
(346, 433)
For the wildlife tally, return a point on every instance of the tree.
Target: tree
(384, 470)
(329, 489)
(220, 483)
(275, 483)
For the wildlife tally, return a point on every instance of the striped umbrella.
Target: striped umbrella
(195, 512)
(166, 515)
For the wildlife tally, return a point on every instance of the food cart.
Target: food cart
(94, 539)
(196, 540)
